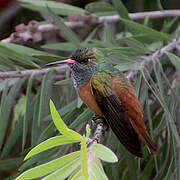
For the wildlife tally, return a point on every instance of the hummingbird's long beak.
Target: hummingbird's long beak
(67, 61)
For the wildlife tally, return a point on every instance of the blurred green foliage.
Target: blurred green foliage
(25, 119)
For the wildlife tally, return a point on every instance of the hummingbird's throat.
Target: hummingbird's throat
(82, 74)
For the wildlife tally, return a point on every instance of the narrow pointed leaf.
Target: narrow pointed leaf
(28, 113)
(84, 164)
(65, 171)
(76, 174)
(96, 172)
(13, 54)
(101, 9)
(46, 85)
(121, 9)
(61, 126)
(13, 137)
(9, 164)
(49, 167)
(7, 103)
(68, 33)
(63, 46)
(31, 52)
(137, 28)
(57, 7)
(49, 143)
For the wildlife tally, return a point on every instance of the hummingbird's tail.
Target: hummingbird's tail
(146, 138)
(149, 142)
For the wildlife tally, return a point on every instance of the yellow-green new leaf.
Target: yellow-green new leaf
(97, 171)
(61, 126)
(84, 164)
(49, 167)
(104, 153)
(49, 143)
(65, 171)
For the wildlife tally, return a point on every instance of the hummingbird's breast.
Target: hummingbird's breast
(86, 94)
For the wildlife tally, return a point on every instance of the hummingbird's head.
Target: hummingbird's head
(87, 56)
(84, 63)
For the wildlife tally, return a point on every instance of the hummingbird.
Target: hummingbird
(110, 95)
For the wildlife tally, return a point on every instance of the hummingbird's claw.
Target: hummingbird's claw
(97, 120)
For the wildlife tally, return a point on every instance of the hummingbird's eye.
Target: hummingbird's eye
(86, 60)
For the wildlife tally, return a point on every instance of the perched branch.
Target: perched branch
(35, 33)
(99, 131)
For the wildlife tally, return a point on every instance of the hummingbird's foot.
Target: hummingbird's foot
(97, 120)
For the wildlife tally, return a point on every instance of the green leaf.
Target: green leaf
(7, 102)
(46, 84)
(100, 9)
(96, 170)
(28, 113)
(129, 66)
(175, 60)
(109, 36)
(49, 167)
(104, 153)
(130, 161)
(19, 57)
(35, 127)
(31, 52)
(146, 173)
(63, 46)
(77, 175)
(49, 143)
(121, 9)
(57, 7)
(137, 28)
(68, 33)
(84, 160)
(65, 171)
(7, 63)
(10, 163)
(136, 45)
(65, 82)
(61, 126)
(12, 138)
(129, 52)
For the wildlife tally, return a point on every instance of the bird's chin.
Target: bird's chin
(71, 65)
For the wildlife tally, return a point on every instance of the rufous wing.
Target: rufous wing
(115, 112)
(127, 94)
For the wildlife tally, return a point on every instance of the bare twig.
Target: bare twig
(38, 35)
(35, 72)
(142, 15)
